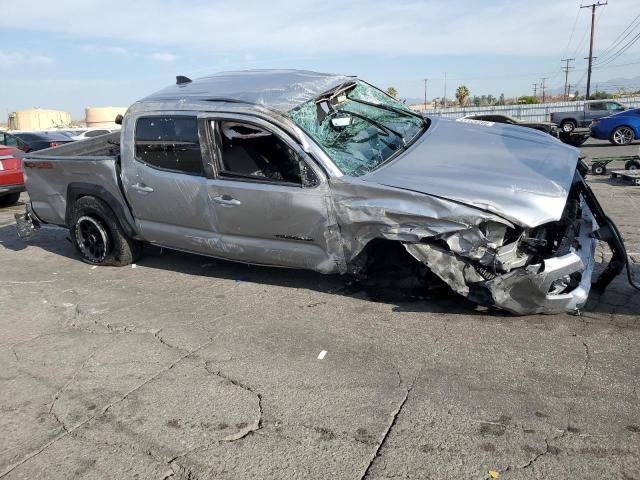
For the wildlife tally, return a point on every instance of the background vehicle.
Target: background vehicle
(11, 178)
(10, 140)
(33, 141)
(547, 127)
(620, 129)
(90, 133)
(569, 121)
(325, 172)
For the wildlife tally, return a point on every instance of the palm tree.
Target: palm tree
(462, 94)
(392, 92)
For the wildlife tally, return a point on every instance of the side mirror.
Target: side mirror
(341, 121)
(119, 119)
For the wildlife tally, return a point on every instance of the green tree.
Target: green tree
(462, 94)
(391, 91)
(501, 101)
(528, 100)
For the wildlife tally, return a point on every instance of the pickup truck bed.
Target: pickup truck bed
(93, 166)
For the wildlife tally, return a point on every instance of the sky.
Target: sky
(69, 55)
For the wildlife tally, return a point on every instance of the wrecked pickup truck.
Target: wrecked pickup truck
(326, 172)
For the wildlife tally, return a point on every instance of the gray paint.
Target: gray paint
(445, 187)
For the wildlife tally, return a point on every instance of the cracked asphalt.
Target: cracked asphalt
(191, 368)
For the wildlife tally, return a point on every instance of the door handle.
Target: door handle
(227, 201)
(141, 187)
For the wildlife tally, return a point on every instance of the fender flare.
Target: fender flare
(75, 190)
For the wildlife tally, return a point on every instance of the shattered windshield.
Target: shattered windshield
(358, 126)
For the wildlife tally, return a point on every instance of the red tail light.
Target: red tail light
(595, 122)
(53, 144)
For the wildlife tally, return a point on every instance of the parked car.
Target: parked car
(90, 133)
(11, 178)
(620, 129)
(10, 140)
(33, 141)
(547, 127)
(569, 121)
(326, 172)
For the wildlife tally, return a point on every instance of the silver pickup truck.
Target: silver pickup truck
(326, 172)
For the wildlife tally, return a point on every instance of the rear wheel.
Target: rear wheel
(598, 169)
(568, 126)
(98, 236)
(622, 136)
(9, 200)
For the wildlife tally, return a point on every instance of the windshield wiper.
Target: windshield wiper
(377, 124)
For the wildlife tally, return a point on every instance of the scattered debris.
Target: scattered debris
(322, 355)
(133, 265)
(494, 474)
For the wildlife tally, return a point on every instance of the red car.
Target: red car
(11, 179)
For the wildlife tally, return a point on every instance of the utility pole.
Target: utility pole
(445, 90)
(566, 69)
(425, 92)
(543, 86)
(535, 90)
(593, 7)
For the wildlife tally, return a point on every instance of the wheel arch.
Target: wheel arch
(77, 190)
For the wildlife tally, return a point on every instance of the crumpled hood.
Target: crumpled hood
(518, 173)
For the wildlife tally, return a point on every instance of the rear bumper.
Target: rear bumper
(9, 189)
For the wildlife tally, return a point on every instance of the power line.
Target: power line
(620, 38)
(622, 49)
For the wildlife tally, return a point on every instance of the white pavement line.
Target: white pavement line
(322, 354)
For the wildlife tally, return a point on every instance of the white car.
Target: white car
(90, 133)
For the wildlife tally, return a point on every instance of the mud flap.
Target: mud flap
(27, 224)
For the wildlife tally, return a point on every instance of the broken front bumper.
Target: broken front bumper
(534, 288)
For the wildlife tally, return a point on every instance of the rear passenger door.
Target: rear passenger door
(165, 183)
(270, 200)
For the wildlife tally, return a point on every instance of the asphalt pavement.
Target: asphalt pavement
(187, 367)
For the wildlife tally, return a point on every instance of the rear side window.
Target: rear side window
(596, 106)
(169, 143)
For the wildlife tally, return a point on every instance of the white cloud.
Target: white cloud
(377, 27)
(117, 50)
(163, 57)
(10, 59)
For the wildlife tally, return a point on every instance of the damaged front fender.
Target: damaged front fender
(556, 284)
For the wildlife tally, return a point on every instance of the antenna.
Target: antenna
(182, 80)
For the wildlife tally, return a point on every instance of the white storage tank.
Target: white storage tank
(102, 116)
(38, 119)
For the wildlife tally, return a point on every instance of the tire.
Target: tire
(632, 165)
(598, 169)
(98, 236)
(9, 200)
(568, 126)
(622, 135)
